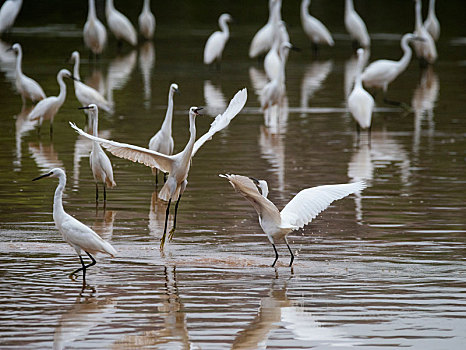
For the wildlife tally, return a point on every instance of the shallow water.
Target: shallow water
(385, 268)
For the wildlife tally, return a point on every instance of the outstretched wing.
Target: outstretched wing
(133, 153)
(308, 203)
(222, 120)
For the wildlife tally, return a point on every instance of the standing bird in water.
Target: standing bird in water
(162, 141)
(146, 21)
(431, 23)
(74, 232)
(47, 108)
(216, 43)
(177, 166)
(8, 13)
(120, 25)
(263, 40)
(94, 32)
(300, 211)
(27, 87)
(360, 102)
(314, 29)
(425, 50)
(100, 163)
(356, 26)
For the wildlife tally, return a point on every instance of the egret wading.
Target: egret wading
(316, 31)
(120, 25)
(425, 50)
(431, 23)
(263, 39)
(100, 163)
(8, 13)
(214, 46)
(162, 141)
(74, 232)
(28, 88)
(356, 27)
(146, 21)
(300, 211)
(94, 32)
(177, 166)
(381, 73)
(47, 108)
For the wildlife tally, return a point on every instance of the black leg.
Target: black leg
(164, 177)
(276, 255)
(105, 193)
(93, 260)
(96, 192)
(162, 240)
(172, 231)
(83, 268)
(156, 178)
(292, 255)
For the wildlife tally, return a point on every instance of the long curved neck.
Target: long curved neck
(109, 7)
(281, 76)
(417, 10)
(349, 7)
(305, 8)
(167, 122)
(76, 67)
(404, 60)
(95, 123)
(61, 96)
(57, 199)
(192, 138)
(224, 26)
(91, 13)
(276, 13)
(432, 7)
(359, 67)
(19, 60)
(146, 6)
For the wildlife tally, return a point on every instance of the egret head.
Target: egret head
(412, 37)
(174, 88)
(74, 56)
(194, 111)
(16, 48)
(55, 172)
(226, 17)
(92, 108)
(66, 73)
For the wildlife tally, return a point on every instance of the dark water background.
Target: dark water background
(383, 269)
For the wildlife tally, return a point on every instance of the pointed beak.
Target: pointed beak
(73, 77)
(197, 110)
(256, 181)
(40, 177)
(84, 107)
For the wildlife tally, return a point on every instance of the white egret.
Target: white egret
(425, 49)
(100, 163)
(74, 232)
(84, 93)
(216, 43)
(360, 102)
(274, 91)
(94, 32)
(177, 165)
(47, 108)
(382, 72)
(162, 141)
(8, 13)
(300, 211)
(27, 87)
(431, 23)
(356, 26)
(120, 25)
(314, 29)
(272, 61)
(263, 39)
(146, 21)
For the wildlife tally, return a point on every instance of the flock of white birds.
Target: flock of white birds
(273, 42)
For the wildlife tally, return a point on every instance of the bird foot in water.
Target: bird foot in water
(171, 233)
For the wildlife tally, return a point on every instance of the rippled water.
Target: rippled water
(385, 268)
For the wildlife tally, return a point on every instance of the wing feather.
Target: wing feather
(134, 153)
(222, 120)
(308, 203)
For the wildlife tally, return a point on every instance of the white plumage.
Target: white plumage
(360, 102)
(214, 46)
(176, 165)
(120, 25)
(28, 88)
(300, 211)
(425, 48)
(74, 232)
(382, 72)
(356, 26)
(47, 108)
(94, 32)
(431, 23)
(8, 13)
(85, 94)
(146, 21)
(273, 59)
(316, 31)
(263, 39)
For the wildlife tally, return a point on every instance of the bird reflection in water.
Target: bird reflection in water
(423, 103)
(272, 149)
(146, 65)
(87, 313)
(96, 81)
(103, 224)
(45, 156)
(278, 312)
(214, 98)
(22, 126)
(313, 78)
(119, 72)
(174, 332)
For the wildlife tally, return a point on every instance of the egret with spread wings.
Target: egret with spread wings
(177, 165)
(300, 211)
